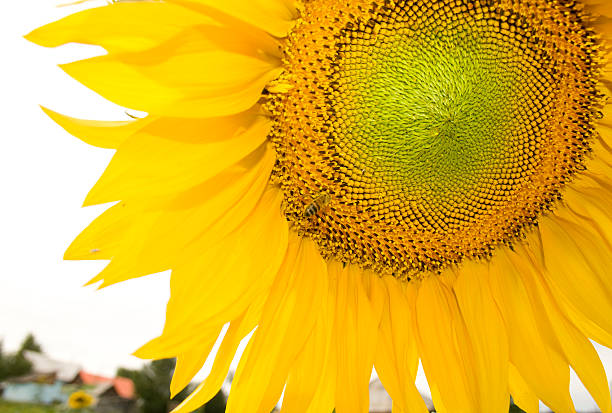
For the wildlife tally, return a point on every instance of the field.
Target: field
(6, 407)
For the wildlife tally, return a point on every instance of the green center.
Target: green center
(430, 114)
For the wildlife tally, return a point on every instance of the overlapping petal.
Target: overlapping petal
(124, 27)
(444, 346)
(152, 164)
(396, 353)
(274, 16)
(288, 318)
(542, 367)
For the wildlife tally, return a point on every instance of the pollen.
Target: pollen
(438, 129)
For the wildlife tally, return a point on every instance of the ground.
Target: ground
(7, 407)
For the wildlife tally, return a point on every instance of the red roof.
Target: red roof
(122, 385)
(92, 378)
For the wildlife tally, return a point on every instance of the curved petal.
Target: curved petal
(238, 330)
(288, 318)
(276, 17)
(541, 366)
(487, 334)
(209, 83)
(563, 335)
(575, 314)
(521, 393)
(588, 294)
(189, 363)
(591, 205)
(149, 166)
(396, 353)
(213, 287)
(168, 235)
(119, 27)
(306, 376)
(101, 240)
(444, 346)
(103, 134)
(358, 314)
(323, 400)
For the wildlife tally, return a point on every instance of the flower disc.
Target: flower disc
(432, 130)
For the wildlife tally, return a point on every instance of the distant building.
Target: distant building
(52, 381)
(381, 402)
(42, 364)
(113, 395)
(39, 388)
(44, 385)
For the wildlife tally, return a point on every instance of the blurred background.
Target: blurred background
(57, 337)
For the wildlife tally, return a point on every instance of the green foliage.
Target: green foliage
(152, 385)
(7, 407)
(30, 343)
(515, 409)
(216, 404)
(15, 365)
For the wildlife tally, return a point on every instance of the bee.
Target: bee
(317, 204)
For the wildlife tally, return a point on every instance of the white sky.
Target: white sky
(44, 176)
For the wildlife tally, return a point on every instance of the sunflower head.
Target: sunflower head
(357, 183)
(80, 400)
(440, 129)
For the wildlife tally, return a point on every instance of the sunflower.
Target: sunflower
(362, 183)
(79, 400)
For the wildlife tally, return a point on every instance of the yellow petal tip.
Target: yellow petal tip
(92, 199)
(147, 351)
(35, 37)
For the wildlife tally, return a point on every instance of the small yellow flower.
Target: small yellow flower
(80, 400)
(363, 183)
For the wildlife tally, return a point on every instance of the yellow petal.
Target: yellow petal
(323, 400)
(103, 134)
(585, 324)
(357, 321)
(149, 166)
(189, 363)
(276, 17)
(305, 377)
(213, 287)
(544, 370)
(435, 395)
(288, 318)
(575, 315)
(177, 230)
(599, 6)
(521, 393)
(223, 35)
(578, 350)
(591, 205)
(193, 221)
(169, 345)
(571, 252)
(134, 237)
(396, 354)
(602, 147)
(487, 334)
(237, 330)
(153, 239)
(211, 83)
(120, 27)
(439, 326)
(102, 238)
